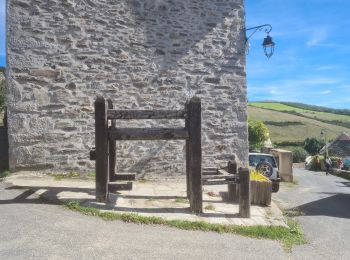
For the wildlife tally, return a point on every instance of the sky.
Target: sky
(312, 54)
(311, 62)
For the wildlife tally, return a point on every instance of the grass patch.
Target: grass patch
(4, 174)
(91, 175)
(61, 176)
(142, 180)
(209, 207)
(181, 200)
(294, 212)
(288, 236)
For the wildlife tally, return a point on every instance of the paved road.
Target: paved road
(324, 202)
(32, 229)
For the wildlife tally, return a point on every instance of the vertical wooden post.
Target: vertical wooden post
(244, 192)
(112, 146)
(195, 154)
(101, 143)
(187, 145)
(232, 188)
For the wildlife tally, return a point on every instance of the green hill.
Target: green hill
(293, 123)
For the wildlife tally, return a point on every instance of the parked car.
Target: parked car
(266, 164)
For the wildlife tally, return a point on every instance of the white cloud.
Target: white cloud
(324, 92)
(318, 35)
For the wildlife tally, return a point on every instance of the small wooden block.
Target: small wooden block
(92, 155)
(123, 177)
(115, 186)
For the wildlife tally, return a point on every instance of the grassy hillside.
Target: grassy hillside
(325, 117)
(291, 124)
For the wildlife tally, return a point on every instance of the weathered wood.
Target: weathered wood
(187, 160)
(209, 173)
(123, 177)
(217, 182)
(233, 189)
(148, 134)
(194, 115)
(261, 192)
(244, 192)
(145, 114)
(92, 155)
(113, 187)
(112, 146)
(222, 172)
(219, 177)
(210, 169)
(101, 143)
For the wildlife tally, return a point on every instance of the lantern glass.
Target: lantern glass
(269, 46)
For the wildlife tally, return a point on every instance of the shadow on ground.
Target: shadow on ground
(337, 205)
(51, 196)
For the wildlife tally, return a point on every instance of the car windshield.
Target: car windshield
(254, 159)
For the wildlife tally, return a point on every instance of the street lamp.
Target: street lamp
(268, 44)
(324, 134)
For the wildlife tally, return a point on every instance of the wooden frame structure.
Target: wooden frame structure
(106, 135)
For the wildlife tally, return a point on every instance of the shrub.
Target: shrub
(258, 133)
(313, 145)
(299, 155)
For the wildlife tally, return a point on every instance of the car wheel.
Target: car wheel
(265, 168)
(275, 187)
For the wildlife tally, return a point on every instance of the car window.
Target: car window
(254, 159)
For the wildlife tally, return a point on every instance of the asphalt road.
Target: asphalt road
(324, 203)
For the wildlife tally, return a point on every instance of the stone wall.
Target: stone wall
(141, 53)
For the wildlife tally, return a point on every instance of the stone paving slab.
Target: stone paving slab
(164, 198)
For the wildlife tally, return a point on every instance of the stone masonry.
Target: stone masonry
(143, 54)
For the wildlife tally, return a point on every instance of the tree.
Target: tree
(313, 145)
(258, 133)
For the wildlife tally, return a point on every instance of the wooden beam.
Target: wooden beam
(223, 172)
(112, 147)
(123, 177)
(148, 134)
(244, 192)
(217, 182)
(114, 186)
(93, 155)
(232, 188)
(101, 143)
(145, 114)
(219, 177)
(210, 169)
(194, 116)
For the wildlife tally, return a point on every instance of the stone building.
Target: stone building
(143, 54)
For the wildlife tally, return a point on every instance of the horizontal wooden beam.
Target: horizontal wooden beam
(145, 114)
(219, 177)
(123, 177)
(116, 186)
(210, 169)
(219, 182)
(221, 171)
(148, 134)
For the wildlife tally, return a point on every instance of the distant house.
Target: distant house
(339, 147)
